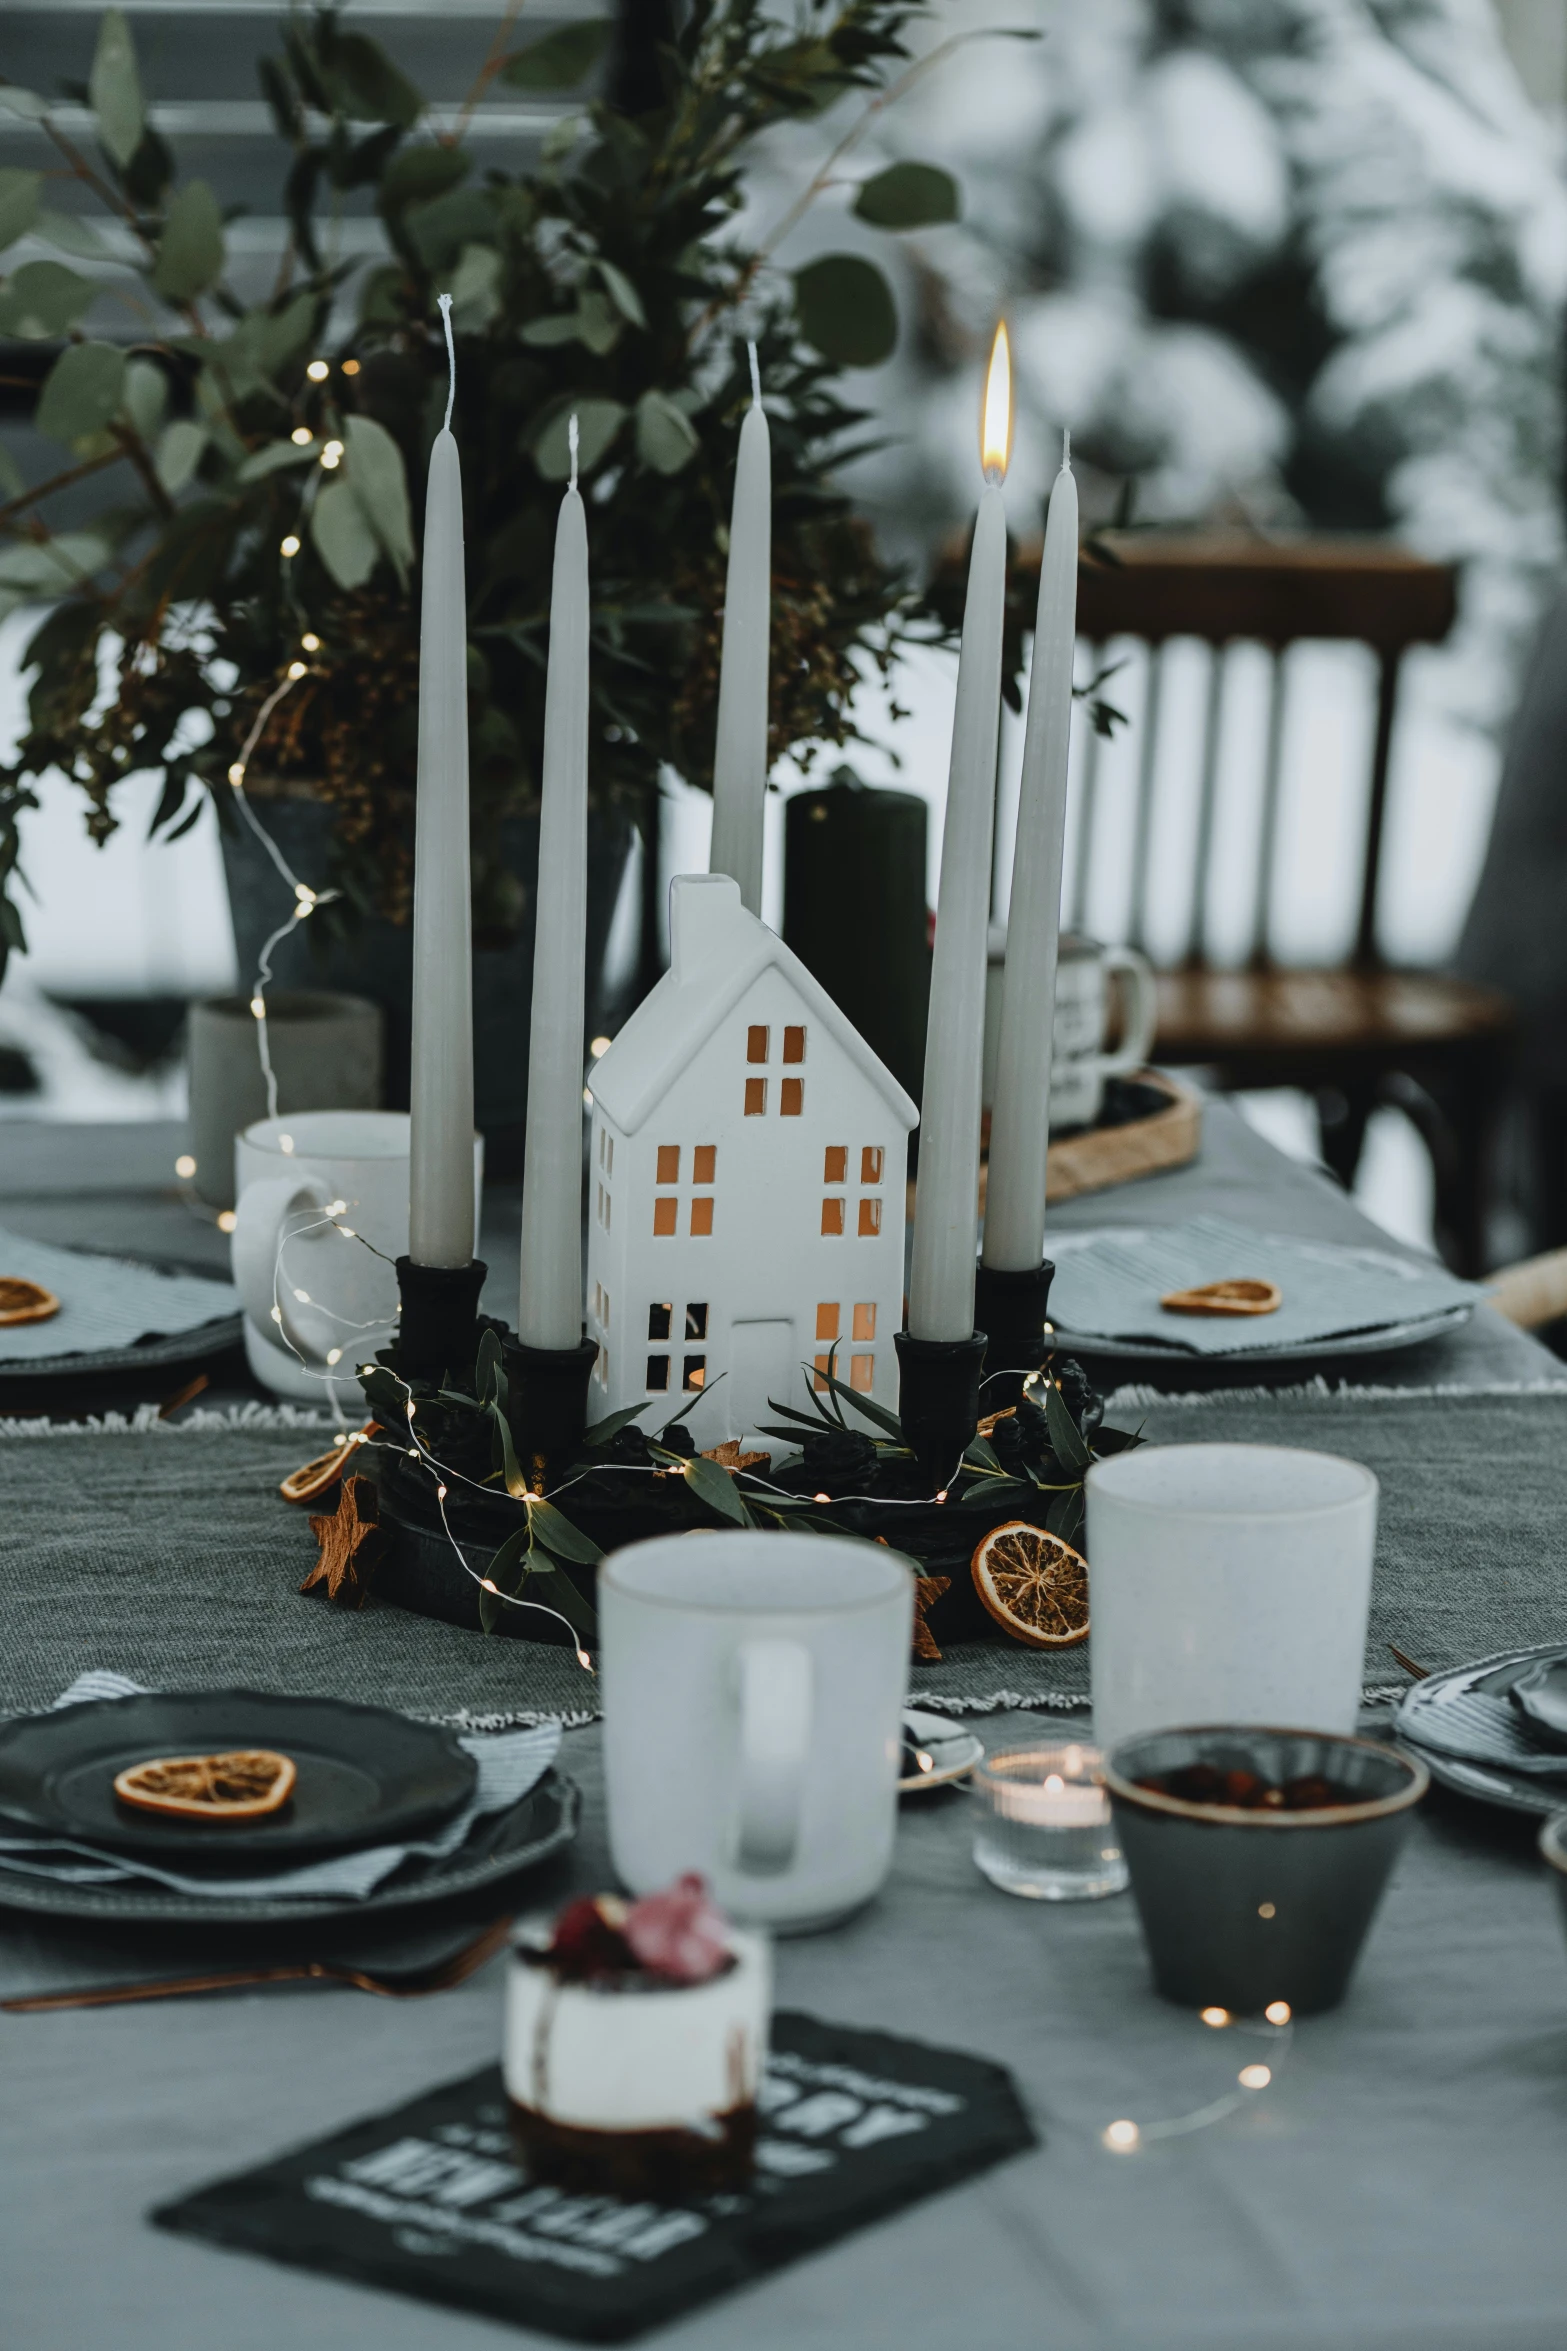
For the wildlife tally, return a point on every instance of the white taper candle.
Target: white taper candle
(549, 1310)
(740, 754)
(1020, 1115)
(440, 1169)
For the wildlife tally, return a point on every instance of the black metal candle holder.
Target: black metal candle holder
(1012, 1308)
(938, 1400)
(437, 1332)
(547, 1403)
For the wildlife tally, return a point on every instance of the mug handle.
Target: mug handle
(260, 1216)
(1141, 1017)
(774, 1679)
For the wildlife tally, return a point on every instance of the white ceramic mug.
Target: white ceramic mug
(753, 1689)
(1228, 1584)
(313, 1299)
(1079, 1064)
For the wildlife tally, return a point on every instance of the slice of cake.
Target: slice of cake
(636, 2034)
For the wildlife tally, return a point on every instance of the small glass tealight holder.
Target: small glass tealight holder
(1044, 1828)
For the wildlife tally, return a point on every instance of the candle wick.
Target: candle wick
(445, 301)
(756, 377)
(1066, 450)
(571, 443)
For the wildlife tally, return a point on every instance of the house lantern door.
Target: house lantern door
(763, 1366)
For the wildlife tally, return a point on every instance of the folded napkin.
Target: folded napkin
(1109, 1287)
(510, 1763)
(1480, 1726)
(105, 1302)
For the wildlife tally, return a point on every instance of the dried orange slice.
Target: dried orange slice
(1236, 1297)
(1033, 1584)
(25, 1301)
(244, 1785)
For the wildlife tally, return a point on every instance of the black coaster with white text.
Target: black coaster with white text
(427, 2200)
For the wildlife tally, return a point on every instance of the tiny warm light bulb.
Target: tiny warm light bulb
(277, 1314)
(310, 641)
(318, 371)
(303, 1296)
(285, 1143)
(821, 1497)
(289, 547)
(304, 893)
(583, 1659)
(1277, 2012)
(1123, 2136)
(336, 1207)
(924, 1761)
(296, 670)
(301, 436)
(1054, 1783)
(227, 1220)
(587, 1096)
(185, 1165)
(1254, 2077)
(334, 1355)
(258, 1006)
(440, 1493)
(942, 1496)
(332, 455)
(350, 367)
(995, 437)
(237, 772)
(599, 1047)
(1266, 1910)
(348, 1232)
(1216, 2016)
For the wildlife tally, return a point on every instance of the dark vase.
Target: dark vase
(375, 957)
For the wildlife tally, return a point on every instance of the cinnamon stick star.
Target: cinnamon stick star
(350, 1543)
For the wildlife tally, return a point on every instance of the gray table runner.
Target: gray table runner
(169, 1553)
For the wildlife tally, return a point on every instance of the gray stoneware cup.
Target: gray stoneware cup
(1240, 1909)
(1553, 1846)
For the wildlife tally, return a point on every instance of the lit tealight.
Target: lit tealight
(332, 455)
(185, 1166)
(1216, 2016)
(318, 371)
(599, 1047)
(289, 548)
(1254, 2077)
(227, 1220)
(301, 436)
(1277, 2012)
(1124, 2137)
(310, 641)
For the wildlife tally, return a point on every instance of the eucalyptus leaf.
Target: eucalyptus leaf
(516, 1483)
(475, 288)
(555, 1531)
(343, 538)
(509, 1570)
(561, 1594)
(715, 1487)
(1065, 1443)
(598, 422)
(274, 456)
(38, 571)
(487, 1366)
(179, 452)
(416, 174)
(908, 196)
(666, 437)
(622, 292)
(18, 203)
(440, 228)
(70, 232)
(379, 482)
(599, 324)
(43, 300)
(846, 310)
(375, 88)
(877, 1414)
(190, 251)
(556, 326)
(281, 335)
(602, 1430)
(146, 396)
(561, 60)
(115, 89)
(81, 391)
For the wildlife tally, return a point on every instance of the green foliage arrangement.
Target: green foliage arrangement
(266, 464)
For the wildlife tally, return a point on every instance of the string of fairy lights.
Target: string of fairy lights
(1276, 2030)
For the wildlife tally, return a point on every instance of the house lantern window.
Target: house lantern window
(665, 1211)
(756, 1044)
(827, 1322)
(658, 1321)
(865, 1320)
(870, 1216)
(657, 1374)
(668, 1163)
(702, 1215)
(871, 1163)
(704, 1164)
(756, 1097)
(835, 1164)
(695, 1372)
(791, 1097)
(794, 1044)
(696, 1321)
(832, 1216)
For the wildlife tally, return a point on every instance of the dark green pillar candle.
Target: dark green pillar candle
(855, 912)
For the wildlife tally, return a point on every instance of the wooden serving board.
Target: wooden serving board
(1101, 1157)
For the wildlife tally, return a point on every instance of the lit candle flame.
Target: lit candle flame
(995, 437)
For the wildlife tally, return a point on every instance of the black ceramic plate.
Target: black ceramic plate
(366, 1776)
(502, 1845)
(1489, 1782)
(1541, 1694)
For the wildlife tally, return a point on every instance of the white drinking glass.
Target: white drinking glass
(753, 1689)
(1228, 1584)
(322, 1216)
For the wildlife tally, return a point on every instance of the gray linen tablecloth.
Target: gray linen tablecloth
(1398, 2189)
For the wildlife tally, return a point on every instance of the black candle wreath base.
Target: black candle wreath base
(478, 1534)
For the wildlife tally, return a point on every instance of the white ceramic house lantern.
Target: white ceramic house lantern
(746, 1205)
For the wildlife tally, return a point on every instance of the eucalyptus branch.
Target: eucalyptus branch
(140, 455)
(60, 481)
(83, 171)
(485, 75)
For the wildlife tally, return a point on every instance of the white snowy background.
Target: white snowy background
(1125, 186)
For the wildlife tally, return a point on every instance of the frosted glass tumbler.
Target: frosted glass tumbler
(1228, 1584)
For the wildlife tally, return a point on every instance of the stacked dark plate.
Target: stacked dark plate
(369, 1783)
(1496, 1729)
